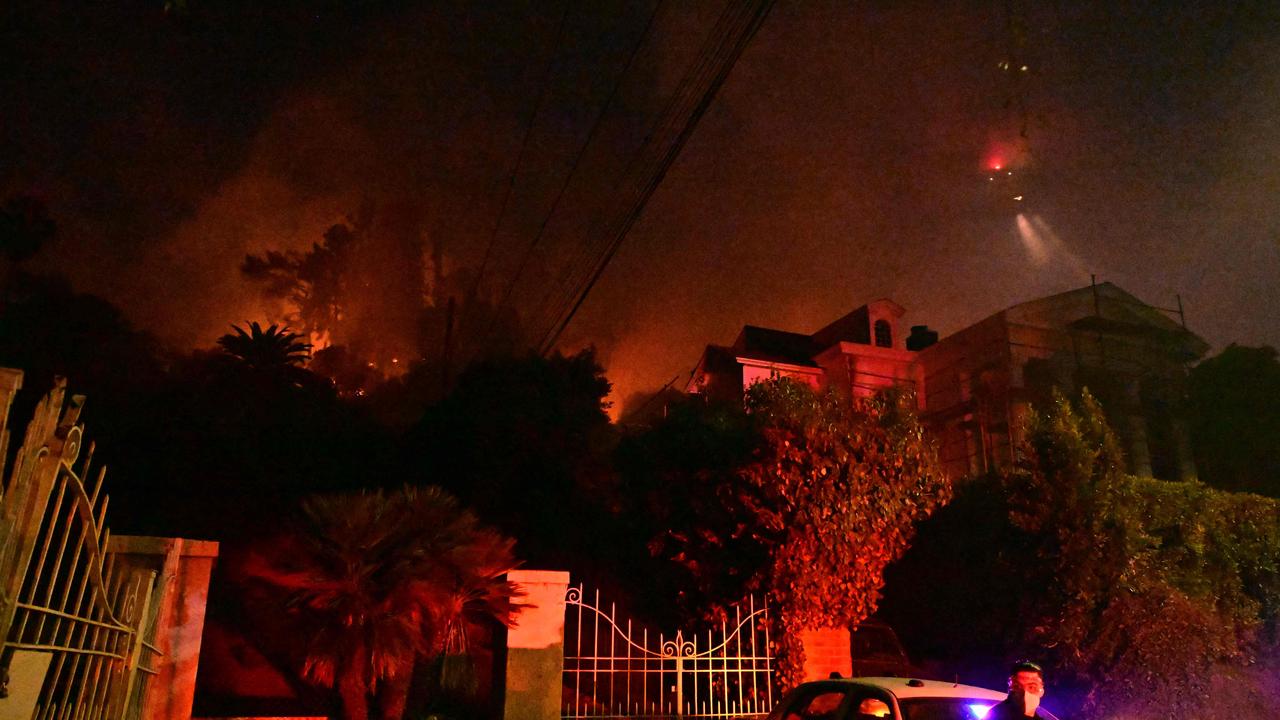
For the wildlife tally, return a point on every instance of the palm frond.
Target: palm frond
(391, 576)
(270, 349)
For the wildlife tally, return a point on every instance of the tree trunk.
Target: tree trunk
(352, 687)
(394, 693)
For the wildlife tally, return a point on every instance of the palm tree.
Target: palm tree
(272, 349)
(384, 579)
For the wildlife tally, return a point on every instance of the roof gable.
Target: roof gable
(775, 345)
(1106, 308)
(853, 328)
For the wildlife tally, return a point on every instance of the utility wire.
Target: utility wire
(678, 108)
(755, 19)
(588, 255)
(524, 146)
(645, 405)
(589, 283)
(573, 170)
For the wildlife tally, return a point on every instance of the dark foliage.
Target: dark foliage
(203, 445)
(1136, 592)
(970, 560)
(271, 350)
(25, 227)
(48, 330)
(1235, 419)
(670, 472)
(801, 496)
(228, 445)
(378, 583)
(526, 441)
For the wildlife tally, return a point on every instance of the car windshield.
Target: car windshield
(945, 708)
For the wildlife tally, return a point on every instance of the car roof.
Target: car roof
(908, 688)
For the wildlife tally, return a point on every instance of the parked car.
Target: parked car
(868, 698)
(876, 652)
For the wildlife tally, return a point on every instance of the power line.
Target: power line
(716, 50)
(587, 256)
(577, 162)
(754, 18)
(645, 405)
(524, 145)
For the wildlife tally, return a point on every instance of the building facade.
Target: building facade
(975, 388)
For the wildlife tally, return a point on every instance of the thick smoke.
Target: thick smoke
(843, 160)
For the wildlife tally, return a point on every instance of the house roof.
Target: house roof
(854, 327)
(771, 345)
(1107, 308)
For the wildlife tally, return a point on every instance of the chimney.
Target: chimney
(921, 337)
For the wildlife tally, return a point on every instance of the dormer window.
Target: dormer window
(883, 334)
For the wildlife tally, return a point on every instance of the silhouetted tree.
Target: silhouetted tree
(25, 227)
(1234, 413)
(521, 433)
(351, 375)
(367, 285)
(275, 352)
(272, 349)
(669, 472)
(312, 282)
(377, 289)
(805, 496)
(1146, 598)
(48, 330)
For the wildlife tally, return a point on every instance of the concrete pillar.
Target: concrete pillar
(535, 648)
(182, 570)
(1182, 446)
(47, 443)
(826, 650)
(27, 670)
(1139, 448)
(1020, 412)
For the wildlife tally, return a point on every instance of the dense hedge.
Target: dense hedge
(842, 481)
(799, 495)
(1143, 598)
(1147, 585)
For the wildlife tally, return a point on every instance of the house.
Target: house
(974, 388)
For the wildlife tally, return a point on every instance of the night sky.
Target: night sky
(847, 157)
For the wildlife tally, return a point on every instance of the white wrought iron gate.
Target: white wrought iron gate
(60, 591)
(615, 670)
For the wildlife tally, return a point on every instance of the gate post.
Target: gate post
(175, 623)
(24, 497)
(535, 647)
(826, 650)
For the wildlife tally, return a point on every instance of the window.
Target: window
(946, 709)
(883, 333)
(870, 706)
(821, 704)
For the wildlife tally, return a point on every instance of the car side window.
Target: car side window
(869, 705)
(819, 704)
